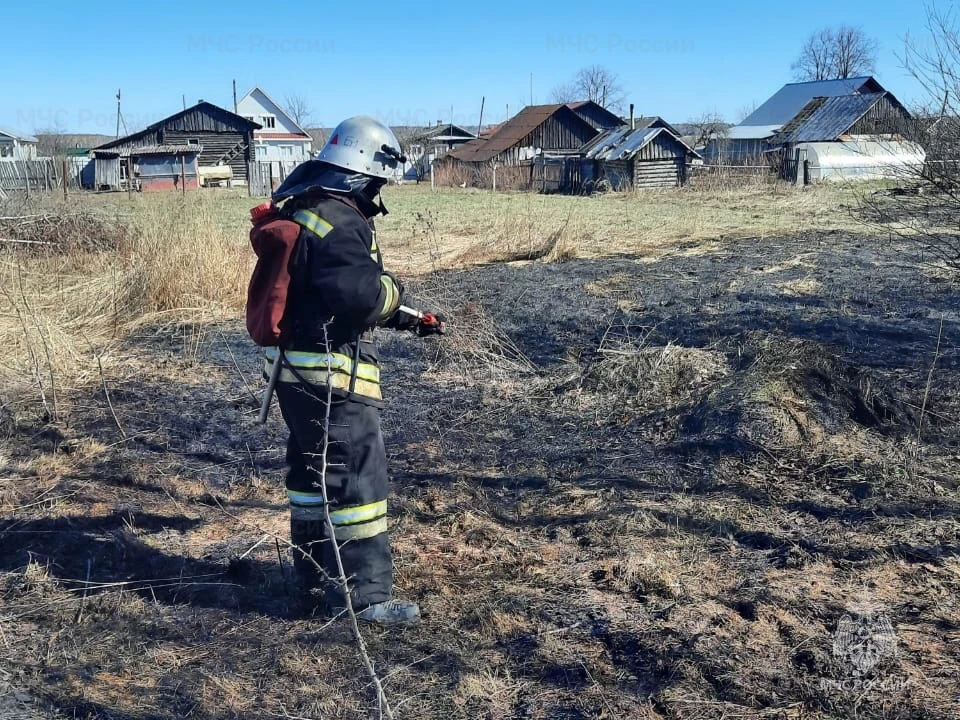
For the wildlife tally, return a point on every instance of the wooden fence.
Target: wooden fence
(264, 177)
(44, 174)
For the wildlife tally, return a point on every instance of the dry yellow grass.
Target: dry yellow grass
(185, 260)
(454, 227)
(176, 262)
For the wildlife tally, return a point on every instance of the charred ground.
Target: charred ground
(644, 486)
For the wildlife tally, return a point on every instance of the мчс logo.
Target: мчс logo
(863, 640)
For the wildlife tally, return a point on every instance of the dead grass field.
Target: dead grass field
(674, 444)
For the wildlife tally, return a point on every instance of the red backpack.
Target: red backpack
(273, 239)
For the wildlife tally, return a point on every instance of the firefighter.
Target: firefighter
(338, 293)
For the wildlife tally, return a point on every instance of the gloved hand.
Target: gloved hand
(431, 324)
(401, 321)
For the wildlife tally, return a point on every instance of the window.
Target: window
(286, 151)
(193, 141)
(268, 121)
(261, 152)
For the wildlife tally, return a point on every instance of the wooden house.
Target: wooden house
(153, 168)
(17, 146)
(216, 137)
(647, 156)
(280, 140)
(861, 136)
(535, 130)
(746, 142)
(423, 146)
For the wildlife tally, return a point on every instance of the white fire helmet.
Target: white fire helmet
(364, 145)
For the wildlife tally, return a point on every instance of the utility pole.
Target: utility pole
(480, 124)
(531, 88)
(118, 113)
(234, 97)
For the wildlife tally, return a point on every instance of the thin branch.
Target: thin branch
(253, 547)
(106, 392)
(25, 242)
(331, 532)
(236, 365)
(926, 391)
(86, 587)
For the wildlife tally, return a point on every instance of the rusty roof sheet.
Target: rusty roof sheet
(508, 134)
(827, 118)
(622, 143)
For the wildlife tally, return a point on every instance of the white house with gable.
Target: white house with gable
(17, 146)
(280, 141)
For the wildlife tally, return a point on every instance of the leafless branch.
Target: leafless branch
(331, 534)
(299, 108)
(834, 53)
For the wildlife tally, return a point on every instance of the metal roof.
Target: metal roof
(202, 106)
(448, 131)
(510, 133)
(751, 132)
(595, 114)
(826, 119)
(792, 98)
(149, 150)
(16, 135)
(622, 143)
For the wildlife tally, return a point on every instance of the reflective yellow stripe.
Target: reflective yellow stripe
(322, 361)
(359, 513)
(391, 299)
(312, 222)
(303, 498)
(362, 531)
(341, 381)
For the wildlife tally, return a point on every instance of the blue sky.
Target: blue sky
(415, 62)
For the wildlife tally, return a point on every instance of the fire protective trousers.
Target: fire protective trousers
(356, 483)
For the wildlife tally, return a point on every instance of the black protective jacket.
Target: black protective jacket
(337, 279)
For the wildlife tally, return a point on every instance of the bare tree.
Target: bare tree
(599, 84)
(746, 111)
(925, 209)
(706, 127)
(814, 60)
(834, 53)
(565, 93)
(299, 108)
(595, 83)
(855, 53)
(56, 142)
